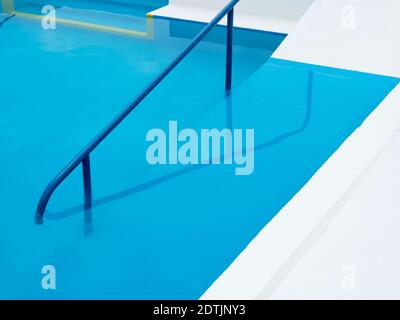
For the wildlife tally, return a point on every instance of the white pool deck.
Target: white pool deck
(264, 15)
(338, 237)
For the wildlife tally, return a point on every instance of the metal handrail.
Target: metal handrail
(84, 156)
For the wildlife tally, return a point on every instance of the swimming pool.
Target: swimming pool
(157, 232)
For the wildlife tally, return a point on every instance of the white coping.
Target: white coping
(360, 35)
(267, 268)
(357, 257)
(267, 15)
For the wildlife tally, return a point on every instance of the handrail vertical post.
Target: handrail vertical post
(229, 49)
(87, 183)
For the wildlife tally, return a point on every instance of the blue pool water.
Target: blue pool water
(158, 232)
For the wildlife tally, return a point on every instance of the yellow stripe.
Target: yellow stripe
(150, 27)
(92, 26)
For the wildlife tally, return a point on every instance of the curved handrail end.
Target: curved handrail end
(39, 218)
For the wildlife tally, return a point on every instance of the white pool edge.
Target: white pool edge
(241, 20)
